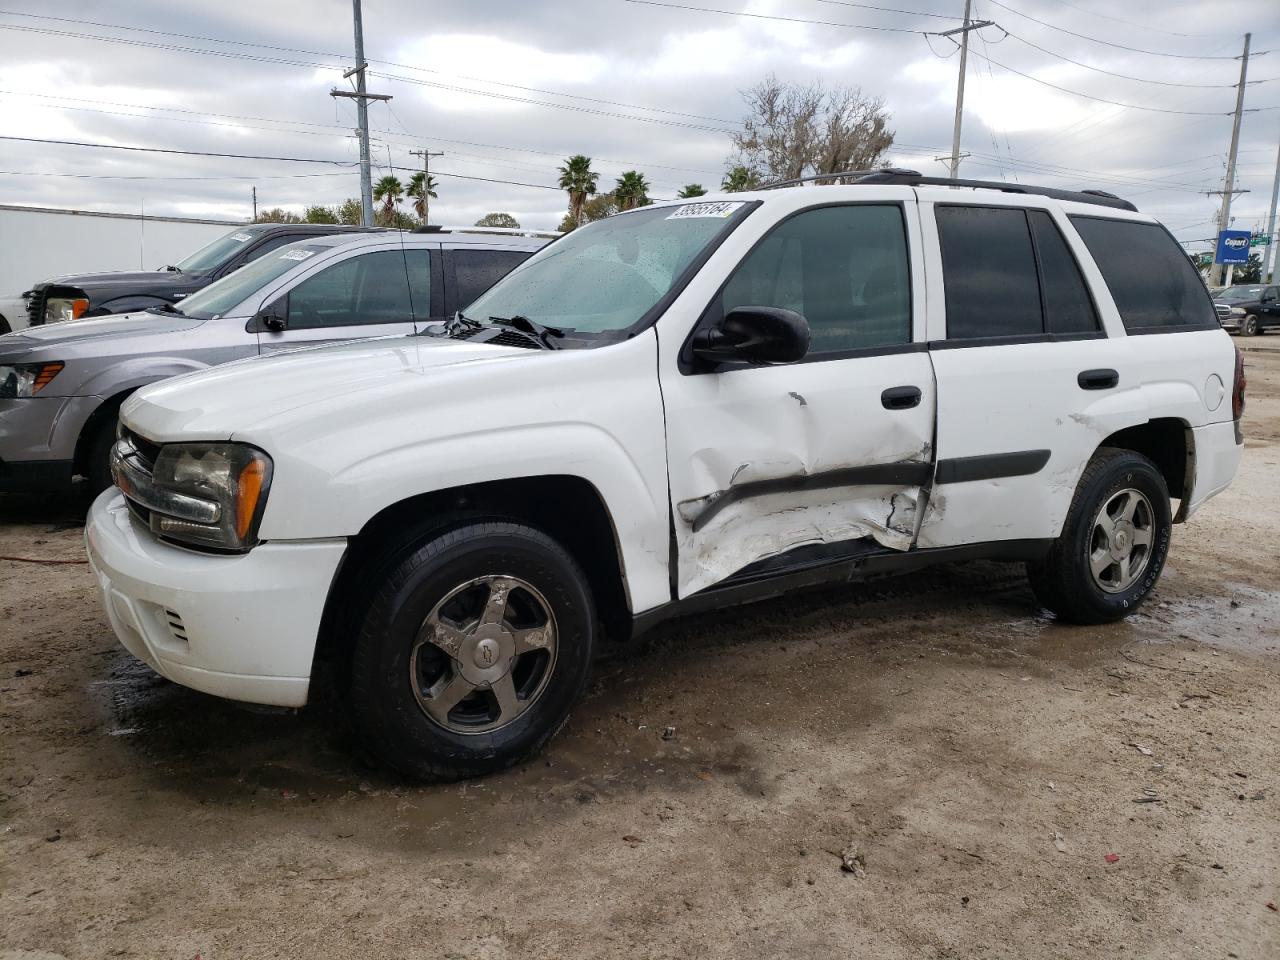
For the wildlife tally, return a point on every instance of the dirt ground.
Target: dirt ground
(983, 763)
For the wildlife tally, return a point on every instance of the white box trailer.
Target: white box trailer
(38, 243)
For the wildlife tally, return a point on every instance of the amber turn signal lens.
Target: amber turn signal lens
(78, 307)
(46, 373)
(250, 484)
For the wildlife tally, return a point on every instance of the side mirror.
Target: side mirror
(274, 316)
(754, 335)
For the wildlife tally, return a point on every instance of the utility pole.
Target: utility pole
(362, 98)
(1228, 188)
(426, 156)
(255, 204)
(964, 60)
(1269, 256)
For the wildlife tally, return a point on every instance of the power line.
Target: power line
(1108, 43)
(1115, 103)
(110, 176)
(910, 13)
(1132, 23)
(766, 16)
(185, 153)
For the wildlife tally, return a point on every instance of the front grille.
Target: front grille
(1223, 311)
(144, 454)
(146, 450)
(36, 305)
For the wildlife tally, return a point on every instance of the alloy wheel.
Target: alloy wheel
(1121, 543)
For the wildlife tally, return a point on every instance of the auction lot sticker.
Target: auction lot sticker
(296, 254)
(719, 209)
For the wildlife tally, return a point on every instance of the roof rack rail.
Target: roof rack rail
(504, 231)
(914, 178)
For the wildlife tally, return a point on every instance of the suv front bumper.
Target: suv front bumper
(38, 437)
(242, 627)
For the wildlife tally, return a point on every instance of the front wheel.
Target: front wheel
(472, 652)
(1113, 544)
(1249, 326)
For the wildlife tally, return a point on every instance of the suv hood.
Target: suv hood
(54, 339)
(308, 384)
(117, 277)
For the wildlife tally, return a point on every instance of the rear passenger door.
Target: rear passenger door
(367, 294)
(470, 270)
(1025, 373)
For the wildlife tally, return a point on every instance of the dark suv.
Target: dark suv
(99, 294)
(1248, 308)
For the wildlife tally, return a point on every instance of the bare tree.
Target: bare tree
(793, 130)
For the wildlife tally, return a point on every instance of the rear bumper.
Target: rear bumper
(242, 627)
(1217, 459)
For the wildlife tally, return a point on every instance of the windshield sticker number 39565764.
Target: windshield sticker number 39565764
(720, 209)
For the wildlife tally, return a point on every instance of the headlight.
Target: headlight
(1237, 312)
(204, 494)
(57, 309)
(26, 379)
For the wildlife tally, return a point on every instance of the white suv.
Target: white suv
(680, 407)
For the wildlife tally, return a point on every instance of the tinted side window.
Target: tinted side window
(475, 271)
(988, 273)
(418, 263)
(845, 269)
(1153, 283)
(271, 243)
(1067, 306)
(372, 288)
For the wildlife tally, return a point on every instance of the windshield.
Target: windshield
(1240, 293)
(220, 251)
(604, 277)
(222, 295)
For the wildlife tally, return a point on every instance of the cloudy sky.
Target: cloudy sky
(506, 89)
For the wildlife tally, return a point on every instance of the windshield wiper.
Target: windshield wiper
(172, 269)
(165, 308)
(525, 325)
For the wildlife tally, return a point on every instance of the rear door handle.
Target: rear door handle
(900, 398)
(1098, 379)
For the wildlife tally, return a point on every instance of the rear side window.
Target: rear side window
(1154, 285)
(1067, 305)
(989, 273)
(475, 271)
(843, 268)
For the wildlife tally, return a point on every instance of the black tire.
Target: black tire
(1249, 326)
(4, 326)
(1063, 581)
(390, 722)
(97, 456)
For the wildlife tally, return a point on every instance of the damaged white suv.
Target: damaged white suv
(679, 407)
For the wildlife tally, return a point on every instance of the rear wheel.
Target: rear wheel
(472, 652)
(1113, 544)
(1249, 326)
(97, 462)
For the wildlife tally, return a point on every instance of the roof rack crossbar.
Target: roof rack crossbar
(912, 178)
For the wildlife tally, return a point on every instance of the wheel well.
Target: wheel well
(566, 508)
(108, 410)
(1168, 443)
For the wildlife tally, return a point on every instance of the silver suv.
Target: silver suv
(61, 385)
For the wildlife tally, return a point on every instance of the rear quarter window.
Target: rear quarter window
(1154, 285)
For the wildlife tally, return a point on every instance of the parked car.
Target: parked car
(62, 385)
(679, 407)
(1248, 308)
(98, 294)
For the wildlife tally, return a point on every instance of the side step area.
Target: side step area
(826, 563)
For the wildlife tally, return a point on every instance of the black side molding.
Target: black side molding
(907, 473)
(991, 466)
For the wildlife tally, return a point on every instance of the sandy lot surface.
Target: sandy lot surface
(981, 761)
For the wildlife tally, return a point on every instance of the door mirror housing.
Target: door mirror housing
(274, 316)
(754, 335)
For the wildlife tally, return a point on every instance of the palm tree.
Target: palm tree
(690, 190)
(388, 191)
(739, 179)
(422, 189)
(631, 190)
(577, 177)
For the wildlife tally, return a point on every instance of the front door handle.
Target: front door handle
(1098, 379)
(900, 398)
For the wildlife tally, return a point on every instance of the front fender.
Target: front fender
(127, 375)
(305, 503)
